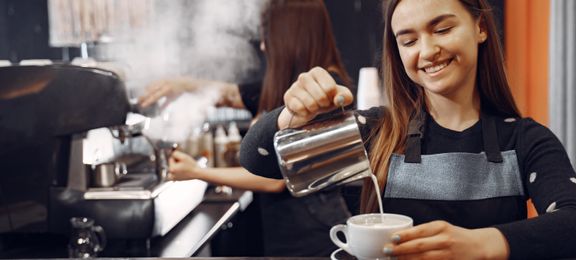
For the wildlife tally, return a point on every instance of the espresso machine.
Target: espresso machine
(71, 145)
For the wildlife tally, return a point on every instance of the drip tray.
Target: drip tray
(172, 200)
(131, 186)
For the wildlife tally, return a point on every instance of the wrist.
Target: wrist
(496, 245)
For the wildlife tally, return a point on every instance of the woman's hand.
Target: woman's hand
(170, 88)
(315, 92)
(183, 167)
(441, 240)
(167, 88)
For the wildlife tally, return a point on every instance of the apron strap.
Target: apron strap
(413, 153)
(414, 140)
(490, 139)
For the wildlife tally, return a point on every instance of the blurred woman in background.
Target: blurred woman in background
(296, 37)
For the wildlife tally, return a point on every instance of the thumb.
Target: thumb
(343, 96)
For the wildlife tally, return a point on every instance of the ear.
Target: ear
(481, 32)
(482, 36)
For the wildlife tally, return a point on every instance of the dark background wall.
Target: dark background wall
(357, 27)
(3, 31)
(24, 31)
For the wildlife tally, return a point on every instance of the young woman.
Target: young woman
(451, 151)
(296, 36)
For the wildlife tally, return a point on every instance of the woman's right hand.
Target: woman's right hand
(314, 92)
(183, 167)
(165, 88)
(170, 88)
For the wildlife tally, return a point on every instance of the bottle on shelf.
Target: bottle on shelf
(206, 146)
(220, 144)
(232, 154)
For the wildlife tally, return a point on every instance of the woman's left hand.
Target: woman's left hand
(183, 167)
(441, 240)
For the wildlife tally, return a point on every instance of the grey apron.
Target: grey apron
(456, 176)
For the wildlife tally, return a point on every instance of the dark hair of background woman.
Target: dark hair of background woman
(298, 36)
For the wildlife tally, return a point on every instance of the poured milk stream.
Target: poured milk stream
(377, 188)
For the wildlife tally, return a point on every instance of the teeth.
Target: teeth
(436, 68)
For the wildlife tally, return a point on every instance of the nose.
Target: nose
(429, 50)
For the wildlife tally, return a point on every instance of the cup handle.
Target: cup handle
(334, 236)
(101, 237)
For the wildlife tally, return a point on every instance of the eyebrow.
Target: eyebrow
(432, 22)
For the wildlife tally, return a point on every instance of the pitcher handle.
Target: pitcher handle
(101, 237)
(334, 236)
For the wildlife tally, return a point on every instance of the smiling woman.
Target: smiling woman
(451, 151)
(439, 49)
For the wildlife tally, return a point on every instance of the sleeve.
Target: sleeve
(550, 182)
(257, 152)
(250, 94)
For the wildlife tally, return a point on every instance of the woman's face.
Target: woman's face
(438, 44)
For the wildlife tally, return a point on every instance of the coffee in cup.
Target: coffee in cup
(367, 234)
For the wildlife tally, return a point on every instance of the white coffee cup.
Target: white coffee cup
(367, 234)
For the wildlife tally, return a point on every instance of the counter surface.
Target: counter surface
(194, 231)
(186, 239)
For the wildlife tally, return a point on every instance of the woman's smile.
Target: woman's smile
(436, 68)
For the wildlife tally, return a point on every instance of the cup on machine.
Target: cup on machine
(107, 174)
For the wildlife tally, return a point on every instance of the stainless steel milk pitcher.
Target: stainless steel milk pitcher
(321, 154)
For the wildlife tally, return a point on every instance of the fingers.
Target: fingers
(179, 156)
(156, 91)
(181, 165)
(181, 161)
(423, 230)
(343, 96)
(314, 92)
(422, 239)
(324, 81)
(421, 245)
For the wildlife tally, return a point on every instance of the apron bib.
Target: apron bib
(454, 176)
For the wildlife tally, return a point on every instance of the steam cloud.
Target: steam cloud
(210, 39)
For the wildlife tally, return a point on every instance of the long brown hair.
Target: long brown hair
(406, 97)
(298, 36)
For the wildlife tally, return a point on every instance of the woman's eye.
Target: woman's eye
(443, 30)
(408, 43)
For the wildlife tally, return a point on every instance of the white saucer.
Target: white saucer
(340, 254)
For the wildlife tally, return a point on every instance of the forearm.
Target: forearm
(257, 152)
(547, 236)
(240, 178)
